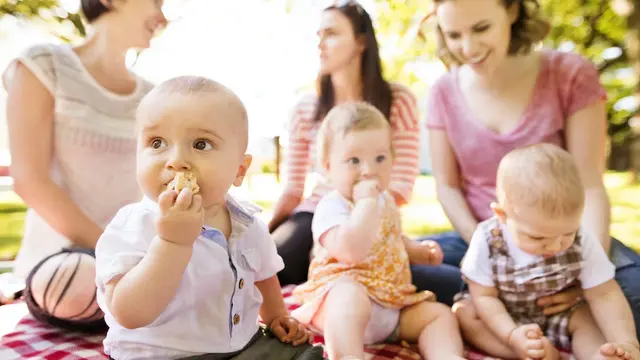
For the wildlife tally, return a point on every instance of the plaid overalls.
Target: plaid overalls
(521, 287)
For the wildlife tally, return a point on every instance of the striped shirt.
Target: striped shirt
(93, 155)
(301, 154)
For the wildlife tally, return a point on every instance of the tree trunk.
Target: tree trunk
(633, 49)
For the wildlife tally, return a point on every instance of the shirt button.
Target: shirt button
(236, 319)
(241, 284)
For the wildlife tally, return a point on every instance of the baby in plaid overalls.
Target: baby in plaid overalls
(533, 248)
(359, 289)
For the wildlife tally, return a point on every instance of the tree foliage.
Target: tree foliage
(593, 29)
(589, 27)
(402, 49)
(68, 26)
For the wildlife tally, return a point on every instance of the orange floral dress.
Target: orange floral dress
(385, 272)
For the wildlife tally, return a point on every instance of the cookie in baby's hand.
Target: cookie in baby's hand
(184, 180)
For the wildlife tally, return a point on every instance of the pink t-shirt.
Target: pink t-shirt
(566, 83)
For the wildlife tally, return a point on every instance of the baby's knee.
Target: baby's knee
(64, 285)
(464, 310)
(349, 297)
(442, 311)
(428, 312)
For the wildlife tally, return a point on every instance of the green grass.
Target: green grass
(12, 212)
(625, 209)
(421, 217)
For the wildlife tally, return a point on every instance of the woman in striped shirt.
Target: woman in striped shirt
(350, 70)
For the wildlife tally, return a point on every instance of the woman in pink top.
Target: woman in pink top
(501, 94)
(350, 70)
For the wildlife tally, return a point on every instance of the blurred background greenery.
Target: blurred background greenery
(605, 31)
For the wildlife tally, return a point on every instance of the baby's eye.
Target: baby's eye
(381, 158)
(158, 143)
(202, 145)
(353, 161)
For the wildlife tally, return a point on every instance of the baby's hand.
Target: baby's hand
(527, 341)
(366, 189)
(181, 217)
(427, 252)
(289, 330)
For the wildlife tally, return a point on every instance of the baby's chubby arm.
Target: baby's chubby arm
(351, 241)
(274, 313)
(137, 298)
(491, 310)
(612, 313)
(273, 303)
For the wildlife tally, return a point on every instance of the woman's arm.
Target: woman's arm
(448, 187)
(30, 111)
(585, 136)
(405, 142)
(282, 209)
(297, 168)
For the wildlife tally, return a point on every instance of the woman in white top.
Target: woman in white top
(71, 125)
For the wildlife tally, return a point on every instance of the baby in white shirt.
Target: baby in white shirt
(534, 248)
(184, 275)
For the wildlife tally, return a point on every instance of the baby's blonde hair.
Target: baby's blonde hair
(544, 177)
(346, 118)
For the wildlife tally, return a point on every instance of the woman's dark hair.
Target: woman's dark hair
(376, 91)
(93, 9)
(529, 29)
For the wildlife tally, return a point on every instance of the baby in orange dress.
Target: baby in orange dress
(359, 289)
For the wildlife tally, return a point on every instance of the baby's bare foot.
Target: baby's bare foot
(550, 351)
(613, 352)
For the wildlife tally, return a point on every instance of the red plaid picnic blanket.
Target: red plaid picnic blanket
(32, 340)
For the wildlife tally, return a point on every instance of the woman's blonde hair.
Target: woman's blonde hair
(346, 118)
(529, 29)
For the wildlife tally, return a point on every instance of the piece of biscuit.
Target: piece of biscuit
(184, 180)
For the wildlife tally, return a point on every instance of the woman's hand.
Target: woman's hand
(561, 301)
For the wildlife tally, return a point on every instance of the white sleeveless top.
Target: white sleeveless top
(94, 145)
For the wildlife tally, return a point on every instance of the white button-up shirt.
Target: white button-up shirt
(216, 307)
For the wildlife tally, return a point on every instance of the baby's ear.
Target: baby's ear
(498, 210)
(242, 170)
